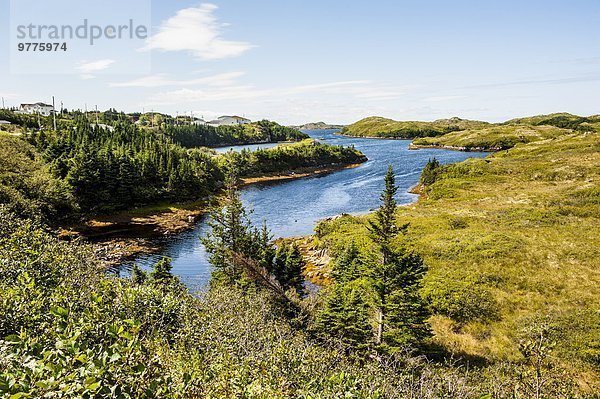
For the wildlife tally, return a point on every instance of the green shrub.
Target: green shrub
(461, 300)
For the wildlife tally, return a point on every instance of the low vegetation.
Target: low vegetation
(289, 157)
(466, 135)
(190, 136)
(509, 241)
(376, 126)
(494, 138)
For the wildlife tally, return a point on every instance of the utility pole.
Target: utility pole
(2, 102)
(86, 115)
(97, 116)
(53, 113)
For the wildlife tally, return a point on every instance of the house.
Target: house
(227, 120)
(37, 108)
(198, 121)
(3, 122)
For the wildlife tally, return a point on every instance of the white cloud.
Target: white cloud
(161, 80)
(363, 90)
(88, 67)
(197, 30)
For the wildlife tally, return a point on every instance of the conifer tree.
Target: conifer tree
(288, 268)
(162, 270)
(401, 315)
(347, 265)
(231, 234)
(138, 276)
(345, 316)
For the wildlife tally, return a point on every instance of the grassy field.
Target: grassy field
(492, 138)
(376, 126)
(512, 241)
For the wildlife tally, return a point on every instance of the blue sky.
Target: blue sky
(337, 61)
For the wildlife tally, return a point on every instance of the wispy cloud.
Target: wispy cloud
(94, 66)
(198, 31)
(161, 80)
(88, 68)
(359, 89)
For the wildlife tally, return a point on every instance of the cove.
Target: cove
(293, 208)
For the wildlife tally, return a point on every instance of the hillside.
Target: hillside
(317, 126)
(563, 120)
(376, 126)
(191, 136)
(510, 244)
(493, 138)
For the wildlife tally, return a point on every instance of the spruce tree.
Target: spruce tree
(231, 235)
(401, 315)
(162, 270)
(288, 267)
(348, 265)
(138, 276)
(345, 316)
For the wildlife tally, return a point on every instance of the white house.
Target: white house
(198, 121)
(37, 108)
(3, 122)
(227, 120)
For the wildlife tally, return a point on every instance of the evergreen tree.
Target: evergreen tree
(430, 172)
(401, 315)
(231, 234)
(138, 276)
(161, 271)
(288, 268)
(345, 316)
(348, 265)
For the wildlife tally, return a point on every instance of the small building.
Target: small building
(3, 122)
(198, 122)
(227, 120)
(37, 108)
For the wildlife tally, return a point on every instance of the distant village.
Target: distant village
(46, 110)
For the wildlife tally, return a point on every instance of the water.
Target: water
(293, 208)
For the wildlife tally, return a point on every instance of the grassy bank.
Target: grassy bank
(511, 241)
(494, 138)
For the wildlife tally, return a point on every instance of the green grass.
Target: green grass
(563, 119)
(376, 126)
(520, 228)
(492, 138)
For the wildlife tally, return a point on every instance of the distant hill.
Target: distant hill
(563, 119)
(317, 126)
(376, 126)
(491, 138)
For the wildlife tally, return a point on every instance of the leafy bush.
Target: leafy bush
(461, 300)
